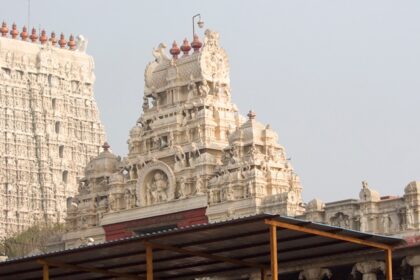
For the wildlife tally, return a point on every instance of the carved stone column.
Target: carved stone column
(414, 261)
(315, 273)
(369, 269)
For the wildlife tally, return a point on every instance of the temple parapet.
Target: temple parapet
(389, 215)
(190, 146)
(50, 124)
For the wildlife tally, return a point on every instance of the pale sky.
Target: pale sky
(337, 80)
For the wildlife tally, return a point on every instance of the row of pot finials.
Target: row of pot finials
(186, 47)
(24, 35)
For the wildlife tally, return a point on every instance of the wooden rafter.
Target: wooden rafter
(205, 255)
(48, 263)
(386, 248)
(328, 234)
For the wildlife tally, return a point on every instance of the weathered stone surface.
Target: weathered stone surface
(50, 129)
(388, 215)
(315, 273)
(369, 269)
(190, 142)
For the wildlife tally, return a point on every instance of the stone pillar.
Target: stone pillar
(369, 269)
(315, 273)
(414, 261)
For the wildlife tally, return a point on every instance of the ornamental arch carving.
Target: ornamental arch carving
(155, 184)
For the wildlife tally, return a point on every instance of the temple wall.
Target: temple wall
(49, 129)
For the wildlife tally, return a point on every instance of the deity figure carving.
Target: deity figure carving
(170, 139)
(410, 218)
(386, 223)
(195, 151)
(192, 89)
(159, 53)
(182, 188)
(203, 89)
(402, 219)
(145, 105)
(81, 44)
(157, 143)
(180, 160)
(365, 185)
(340, 220)
(199, 185)
(157, 188)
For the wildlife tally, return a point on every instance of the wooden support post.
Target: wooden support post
(388, 264)
(273, 249)
(149, 262)
(46, 264)
(45, 272)
(204, 255)
(328, 234)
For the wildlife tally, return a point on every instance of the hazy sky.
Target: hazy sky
(339, 81)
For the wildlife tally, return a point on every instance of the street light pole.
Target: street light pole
(200, 23)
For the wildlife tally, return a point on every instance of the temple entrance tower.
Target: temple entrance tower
(187, 115)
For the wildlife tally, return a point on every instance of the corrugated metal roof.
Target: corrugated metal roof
(245, 239)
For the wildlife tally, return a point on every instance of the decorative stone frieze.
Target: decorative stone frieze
(414, 261)
(315, 273)
(49, 126)
(189, 142)
(389, 215)
(369, 269)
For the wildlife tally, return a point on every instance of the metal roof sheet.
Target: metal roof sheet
(245, 239)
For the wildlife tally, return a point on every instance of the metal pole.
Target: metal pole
(273, 247)
(45, 272)
(149, 262)
(29, 14)
(193, 25)
(388, 264)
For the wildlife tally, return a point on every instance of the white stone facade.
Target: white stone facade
(388, 215)
(190, 142)
(191, 149)
(49, 129)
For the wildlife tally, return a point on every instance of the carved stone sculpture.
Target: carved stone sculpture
(50, 128)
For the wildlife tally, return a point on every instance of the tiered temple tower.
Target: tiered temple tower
(49, 125)
(189, 150)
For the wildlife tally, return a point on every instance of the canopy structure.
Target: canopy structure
(258, 243)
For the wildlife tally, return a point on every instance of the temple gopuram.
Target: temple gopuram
(49, 124)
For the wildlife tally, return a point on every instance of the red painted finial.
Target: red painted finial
(62, 42)
(251, 115)
(24, 33)
(185, 48)
(71, 43)
(4, 29)
(43, 38)
(53, 40)
(175, 51)
(33, 36)
(14, 32)
(106, 146)
(196, 43)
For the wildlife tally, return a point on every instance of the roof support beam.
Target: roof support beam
(328, 234)
(388, 264)
(45, 272)
(205, 255)
(149, 262)
(48, 263)
(273, 251)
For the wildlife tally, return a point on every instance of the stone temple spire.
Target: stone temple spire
(190, 147)
(50, 127)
